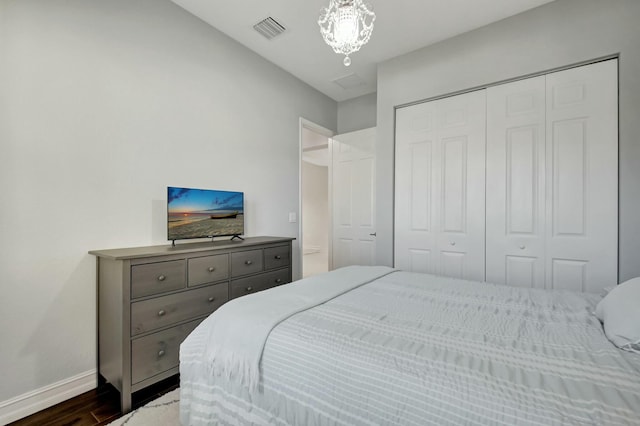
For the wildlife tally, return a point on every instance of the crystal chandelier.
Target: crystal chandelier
(346, 26)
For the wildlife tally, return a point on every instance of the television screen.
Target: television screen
(201, 213)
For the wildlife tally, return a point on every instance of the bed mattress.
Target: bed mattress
(417, 349)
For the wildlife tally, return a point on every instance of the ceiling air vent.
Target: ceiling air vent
(349, 81)
(269, 28)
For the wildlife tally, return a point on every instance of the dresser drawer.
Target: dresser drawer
(208, 269)
(148, 315)
(158, 352)
(246, 262)
(154, 278)
(260, 282)
(276, 278)
(277, 257)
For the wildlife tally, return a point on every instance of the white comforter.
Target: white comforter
(237, 354)
(418, 349)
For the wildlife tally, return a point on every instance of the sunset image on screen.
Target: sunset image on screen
(200, 213)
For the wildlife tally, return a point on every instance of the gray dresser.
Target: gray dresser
(151, 298)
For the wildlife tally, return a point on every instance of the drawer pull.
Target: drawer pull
(160, 353)
(277, 257)
(211, 269)
(211, 299)
(248, 262)
(249, 289)
(161, 312)
(162, 278)
(278, 280)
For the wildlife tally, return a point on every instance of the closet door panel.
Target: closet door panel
(461, 184)
(416, 145)
(454, 188)
(582, 191)
(420, 185)
(419, 260)
(523, 271)
(516, 183)
(439, 203)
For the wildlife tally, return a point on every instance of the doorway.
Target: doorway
(315, 198)
(337, 198)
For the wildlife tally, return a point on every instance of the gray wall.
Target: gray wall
(555, 35)
(357, 114)
(103, 104)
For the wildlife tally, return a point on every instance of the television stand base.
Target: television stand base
(236, 236)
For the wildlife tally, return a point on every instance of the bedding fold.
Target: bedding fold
(240, 328)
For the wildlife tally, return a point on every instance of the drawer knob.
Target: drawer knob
(162, 278)
(522, 247)
(211, 269)
(161, 312)
(161, 352)
(277, 257)
(249, 289)
(211, 299)
(278, 280)
(248, 262)
(453, 243)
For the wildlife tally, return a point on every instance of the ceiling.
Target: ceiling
(401, 26)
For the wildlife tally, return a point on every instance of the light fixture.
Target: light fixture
(346, 26)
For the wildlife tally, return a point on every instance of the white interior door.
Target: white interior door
(582, 188)
(552, 180)
(516, 183)
(354, 224)
(440, 186)
(415, 229)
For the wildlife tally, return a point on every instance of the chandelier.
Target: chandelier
(346, 26)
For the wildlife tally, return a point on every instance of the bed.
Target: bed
(375, 346)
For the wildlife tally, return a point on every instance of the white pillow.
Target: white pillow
(620, 313)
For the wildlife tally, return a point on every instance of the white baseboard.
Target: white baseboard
(31, 402)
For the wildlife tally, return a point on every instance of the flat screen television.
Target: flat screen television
(204, 213)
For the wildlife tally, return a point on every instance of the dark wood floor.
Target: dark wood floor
(96, 407)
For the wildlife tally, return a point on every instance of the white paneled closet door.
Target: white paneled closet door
(582, 191)
(552, 180)
(440, 187)
(516, 183)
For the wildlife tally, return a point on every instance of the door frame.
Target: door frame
(316, 128)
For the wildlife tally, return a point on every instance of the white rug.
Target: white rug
(164, 411)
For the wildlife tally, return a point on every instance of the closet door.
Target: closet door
(582, 188)
(440, 185)
(516, 183)
(415, 236)
(552, 180)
